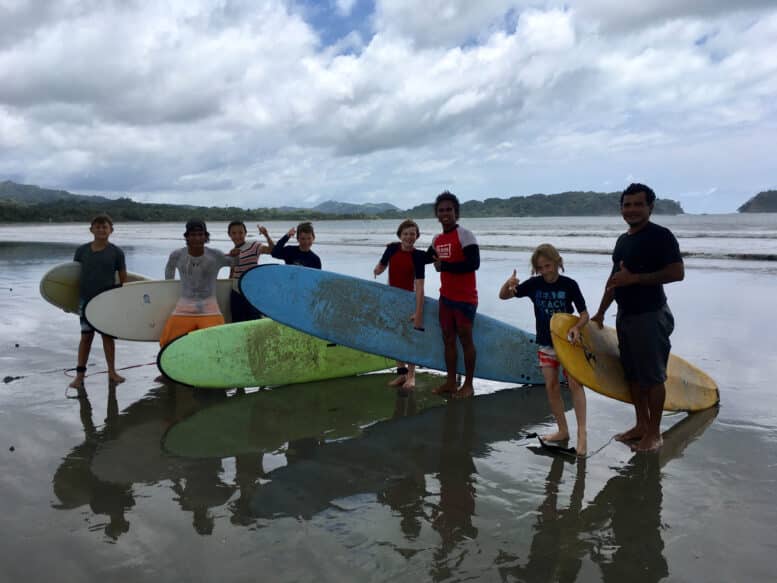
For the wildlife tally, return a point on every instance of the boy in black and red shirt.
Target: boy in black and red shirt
(456, 256)
(406, 271)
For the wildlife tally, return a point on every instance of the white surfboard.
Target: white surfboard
(59, 285)
(138, 311)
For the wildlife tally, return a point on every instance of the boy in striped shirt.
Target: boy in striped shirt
(247, 254)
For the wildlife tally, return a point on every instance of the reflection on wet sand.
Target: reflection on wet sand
(206, 427)
(74, 483)
(624, 519)
(418, 462)
(265, 421)
(456, 475)
(126, 451)
(440, 442)
(620, 529)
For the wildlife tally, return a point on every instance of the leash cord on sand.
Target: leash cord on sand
(593, 453)
(78, 390)
(67, 371)
(566, 450)
(70, 370)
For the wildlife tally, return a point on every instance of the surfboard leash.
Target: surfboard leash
(70, 370)
(67, 372)
(553, 448)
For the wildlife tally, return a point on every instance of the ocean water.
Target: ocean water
(349, 481)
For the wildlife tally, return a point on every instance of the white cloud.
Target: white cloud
(344, 7)
(618, 16)
(440, 22)
(179, 100)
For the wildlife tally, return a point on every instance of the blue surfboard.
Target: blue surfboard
(374, 318)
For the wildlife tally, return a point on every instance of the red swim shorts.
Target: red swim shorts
(456, 316)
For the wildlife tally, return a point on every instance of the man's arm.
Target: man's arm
(671, 273)
(431, 255)
(226, 260)
(471, 261)
(170, 267)
(607, 299)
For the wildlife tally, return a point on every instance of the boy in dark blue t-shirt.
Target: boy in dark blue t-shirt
(551, 292)
(102, 263)
(298, 254)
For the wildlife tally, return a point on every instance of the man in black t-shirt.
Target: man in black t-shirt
(645, 257)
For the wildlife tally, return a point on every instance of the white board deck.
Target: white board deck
(138, 311)
(59, 285)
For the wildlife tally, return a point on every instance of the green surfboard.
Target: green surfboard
(272, 420)
(259, 353)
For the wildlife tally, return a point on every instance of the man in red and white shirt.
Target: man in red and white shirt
(456, 256)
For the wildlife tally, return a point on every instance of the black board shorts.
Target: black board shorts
(242, 310)
(643, 340)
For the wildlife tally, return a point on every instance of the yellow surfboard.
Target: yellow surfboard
(595, 362)
(59, 285)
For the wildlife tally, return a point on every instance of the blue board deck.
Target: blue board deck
(373, 317)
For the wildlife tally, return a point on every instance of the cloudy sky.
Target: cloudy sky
(269, 103)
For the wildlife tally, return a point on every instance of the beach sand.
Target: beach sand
(438, 492)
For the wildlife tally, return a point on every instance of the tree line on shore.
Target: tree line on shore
(25, 203)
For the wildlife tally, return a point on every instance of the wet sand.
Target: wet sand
(92, 489)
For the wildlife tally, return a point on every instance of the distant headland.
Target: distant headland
(28, 203)
(763, 202)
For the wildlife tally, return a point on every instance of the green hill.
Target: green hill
(564, 204)
(349, 208)
(763, 202)
(26, 203)
(30, 194)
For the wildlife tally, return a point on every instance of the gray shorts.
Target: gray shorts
(644, 345)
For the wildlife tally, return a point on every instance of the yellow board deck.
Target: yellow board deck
(59, 285)
(595, 362)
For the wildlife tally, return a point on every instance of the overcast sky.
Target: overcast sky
(273, 103)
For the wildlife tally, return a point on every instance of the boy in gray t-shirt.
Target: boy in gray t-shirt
(100, 262)
(198, 267)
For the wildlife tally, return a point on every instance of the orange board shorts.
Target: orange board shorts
(177, 326)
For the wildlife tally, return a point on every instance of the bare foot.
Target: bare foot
(648, 444)
(465, 392)
(558, 436)
(116, 377)
(632, 434)
(397, 381)
(78, 382)
(445, 389)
